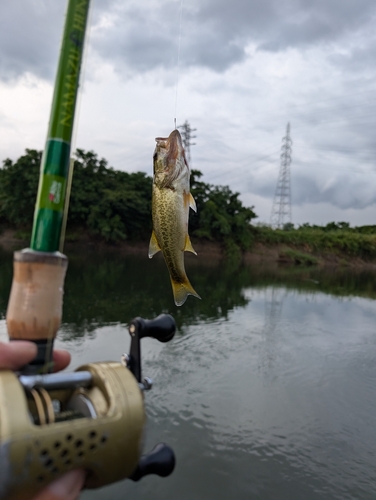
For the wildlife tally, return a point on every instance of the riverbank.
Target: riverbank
(294, 255)
(260, 253)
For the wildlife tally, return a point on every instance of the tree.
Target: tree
(112, 204)
(109, 203)
(220, 214)
(18, 188)
(116, 205)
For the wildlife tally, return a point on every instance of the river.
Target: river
(267, 390)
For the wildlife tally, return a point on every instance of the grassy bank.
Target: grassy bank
(345, 243)
(309, 247)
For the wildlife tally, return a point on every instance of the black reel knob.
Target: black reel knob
(160, 461)
(162, 327)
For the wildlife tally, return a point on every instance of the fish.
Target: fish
(171, 200)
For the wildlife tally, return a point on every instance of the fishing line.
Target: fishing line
(178, 62)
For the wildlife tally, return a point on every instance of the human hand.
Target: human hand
(13, 356)
(18, 353)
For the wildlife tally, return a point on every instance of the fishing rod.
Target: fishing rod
(39, 271)
(93, 418)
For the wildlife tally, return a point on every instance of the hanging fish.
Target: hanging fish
(170, 207)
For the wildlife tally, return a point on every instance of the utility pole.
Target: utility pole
(186, 135)
(281, 210)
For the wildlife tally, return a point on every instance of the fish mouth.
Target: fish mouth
(173, 144)
(172, 139)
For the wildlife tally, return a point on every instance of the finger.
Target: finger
(67, 487)
(61, 359)
(16, 354)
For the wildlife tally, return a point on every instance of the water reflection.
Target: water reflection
(107, 288)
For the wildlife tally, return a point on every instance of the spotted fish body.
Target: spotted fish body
(170, 206)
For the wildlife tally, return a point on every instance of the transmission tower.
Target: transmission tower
(281, 211)
(186, 135)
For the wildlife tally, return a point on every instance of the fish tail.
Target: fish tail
(182, 290)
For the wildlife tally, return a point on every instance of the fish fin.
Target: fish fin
(153, 245)
(181, 292)
(192, 203)
(188, 245)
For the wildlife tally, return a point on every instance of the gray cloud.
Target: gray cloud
(276, 24)
(216, 32)
(147, 42)
(343, 191)
(325, 23)
(144, 36)
(29, 36)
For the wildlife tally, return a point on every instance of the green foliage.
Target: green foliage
(220, 215)
(321, 240)
(331, 226)
(115, 205)
(339, 226)
(365, 229)
(18, 188)
(112, 204)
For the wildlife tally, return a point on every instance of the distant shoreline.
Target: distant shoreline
(260, 253)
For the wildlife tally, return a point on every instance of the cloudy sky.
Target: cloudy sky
(246, 68)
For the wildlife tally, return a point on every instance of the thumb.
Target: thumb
(67, 487)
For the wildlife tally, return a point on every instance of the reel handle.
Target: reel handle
(162, 328)
(160, 461)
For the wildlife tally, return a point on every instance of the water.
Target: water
(266, 392)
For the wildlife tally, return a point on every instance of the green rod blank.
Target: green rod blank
(54, 172)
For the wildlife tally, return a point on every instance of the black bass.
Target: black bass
(170, 207)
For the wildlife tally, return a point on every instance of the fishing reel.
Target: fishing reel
(91, 419)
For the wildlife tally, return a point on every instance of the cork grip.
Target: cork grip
(36, 297)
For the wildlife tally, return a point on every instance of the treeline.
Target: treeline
(334, 238)
(115, 206)
(332, 226)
